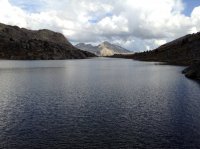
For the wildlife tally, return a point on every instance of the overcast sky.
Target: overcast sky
(137, 25)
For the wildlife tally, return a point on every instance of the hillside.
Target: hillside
(182, 51)
(23, 44)
(103, 49)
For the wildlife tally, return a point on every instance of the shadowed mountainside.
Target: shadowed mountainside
(23, 44)
(182, 51)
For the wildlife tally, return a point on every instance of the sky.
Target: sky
(137, 25)
(190, 5)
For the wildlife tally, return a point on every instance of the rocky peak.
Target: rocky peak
(83, 44)
(103, 49)
(105, 44)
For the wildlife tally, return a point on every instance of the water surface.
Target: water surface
(97, 103)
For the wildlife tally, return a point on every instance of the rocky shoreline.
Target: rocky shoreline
(193, 71)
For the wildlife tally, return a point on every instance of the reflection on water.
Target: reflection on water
(97, 103)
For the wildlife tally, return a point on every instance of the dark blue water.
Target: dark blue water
(97, 103)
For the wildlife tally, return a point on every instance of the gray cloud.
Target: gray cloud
(136, 25)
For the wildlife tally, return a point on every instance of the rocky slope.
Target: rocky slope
(103, 49)
(22, 44)
(182, 51)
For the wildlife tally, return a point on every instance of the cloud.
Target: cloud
(11, 14)
(136, 25)
(195, 16)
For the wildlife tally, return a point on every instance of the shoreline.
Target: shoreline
(191, 71)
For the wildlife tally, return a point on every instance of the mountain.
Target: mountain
(182, 51)
(23, 44)
(103, 49)
(89, 48)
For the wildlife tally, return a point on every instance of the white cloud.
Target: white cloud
(113, 25)
(11, 14)
(137, 25)
(195, 16)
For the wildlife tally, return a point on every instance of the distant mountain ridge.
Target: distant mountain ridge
(23, 44)
(103, 49)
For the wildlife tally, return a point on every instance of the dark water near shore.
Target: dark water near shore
(97, 103)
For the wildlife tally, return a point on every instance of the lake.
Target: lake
(97, 103)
